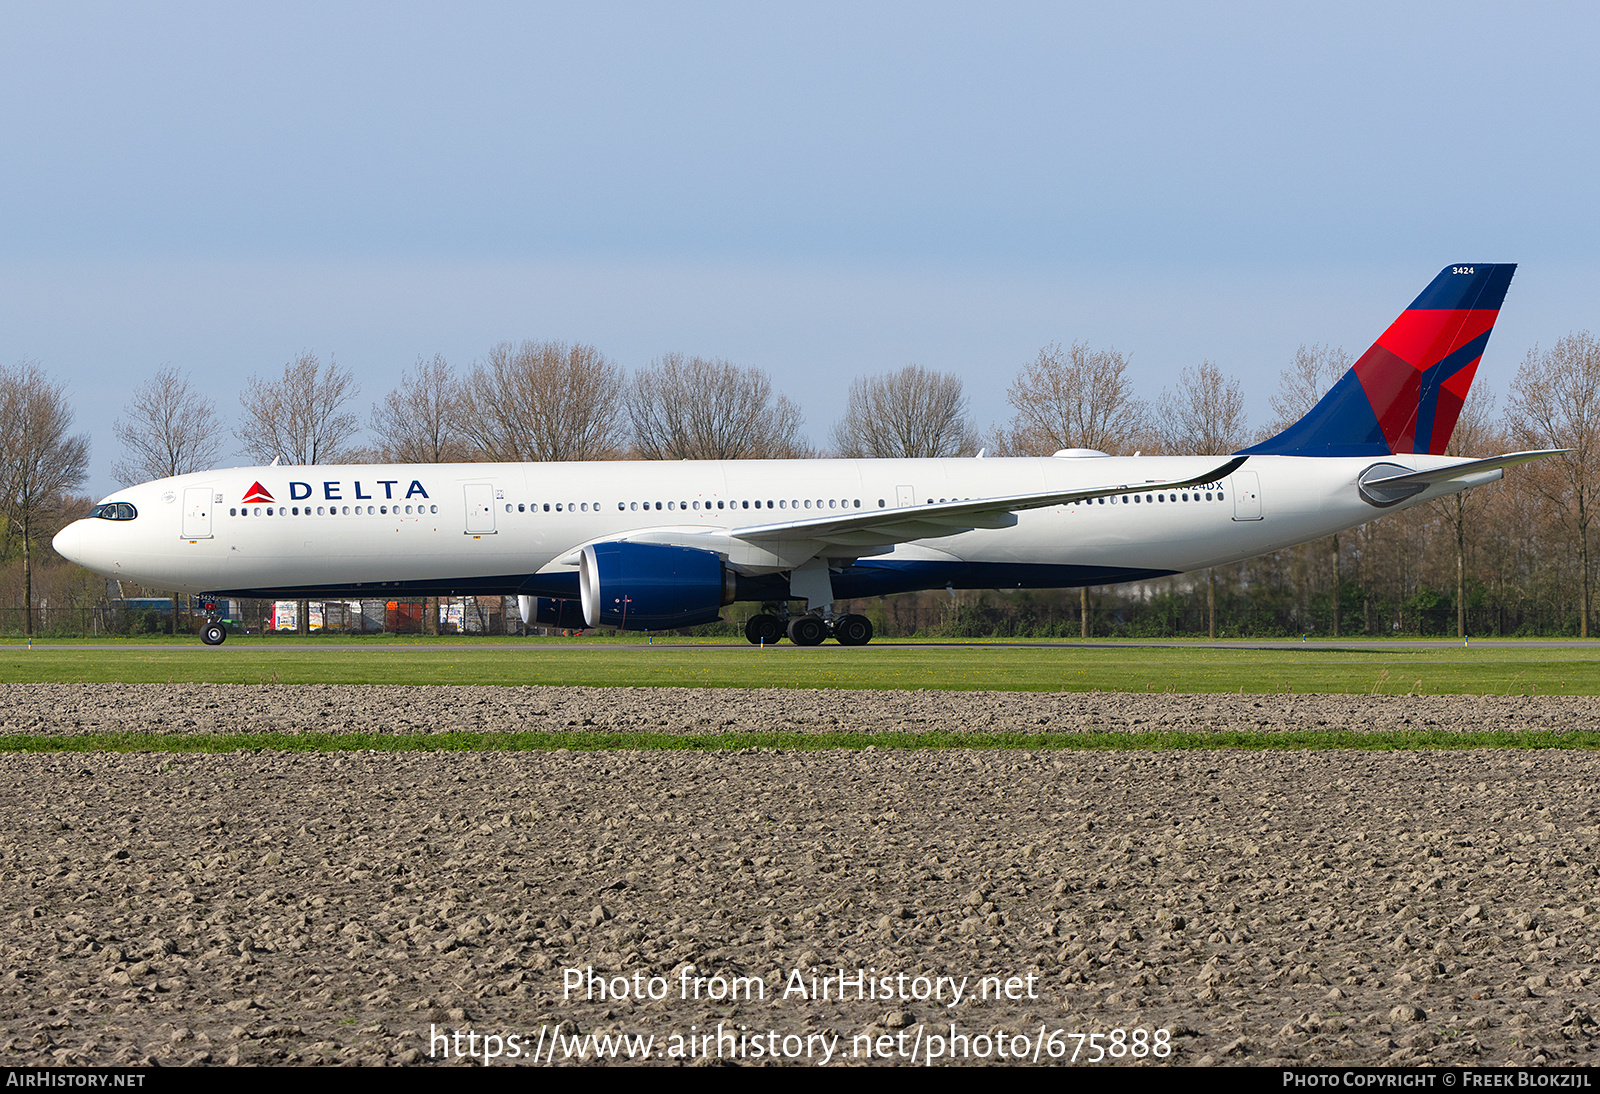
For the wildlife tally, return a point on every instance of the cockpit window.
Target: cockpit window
(114, 510)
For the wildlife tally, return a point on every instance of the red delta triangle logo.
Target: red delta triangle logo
(257, 492)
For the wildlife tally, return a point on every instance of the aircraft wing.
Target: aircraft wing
(879, 527)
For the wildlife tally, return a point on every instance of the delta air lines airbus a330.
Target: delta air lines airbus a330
(654, 545)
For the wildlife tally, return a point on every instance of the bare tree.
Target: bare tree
(1308, 378)
(422, 420)
(1473, 436)
(692, 408)
(1073, 398)
(1555, 403)
(302, 418)
(1314, 370)
(1205, 416)
(914, 413)
(170, 429)
(545, 401)
(39, 462)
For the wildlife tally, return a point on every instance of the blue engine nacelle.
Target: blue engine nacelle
(652, 586)
(566, 614)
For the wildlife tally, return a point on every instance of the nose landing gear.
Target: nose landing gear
(213, 633)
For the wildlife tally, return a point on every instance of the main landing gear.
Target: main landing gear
(769, 628)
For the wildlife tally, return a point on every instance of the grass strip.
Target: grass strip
(726, 742)
(1191, 671)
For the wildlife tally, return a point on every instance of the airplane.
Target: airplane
(657, 545)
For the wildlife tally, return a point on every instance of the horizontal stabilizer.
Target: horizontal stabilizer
(1425, 479)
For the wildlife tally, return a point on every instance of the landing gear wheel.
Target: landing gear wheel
(852, 630)
(763, 630)
(213, 634)
(807, 630)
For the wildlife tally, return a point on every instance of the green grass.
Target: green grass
(723, 742)
(1441, 670)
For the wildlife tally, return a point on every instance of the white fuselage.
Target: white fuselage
(481, 527)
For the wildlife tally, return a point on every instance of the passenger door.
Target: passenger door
(1246, 486)
(197, 512)
(480, 509)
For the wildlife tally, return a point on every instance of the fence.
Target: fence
(932, 614)
(158, 615)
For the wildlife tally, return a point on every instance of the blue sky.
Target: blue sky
(822, 192)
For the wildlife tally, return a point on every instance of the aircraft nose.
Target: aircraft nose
(68, 542)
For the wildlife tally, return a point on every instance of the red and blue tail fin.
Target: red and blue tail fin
(1405, 393)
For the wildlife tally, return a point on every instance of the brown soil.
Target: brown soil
(1328, 907)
